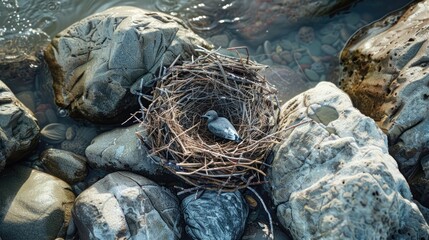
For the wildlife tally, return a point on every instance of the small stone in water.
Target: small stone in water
(311, 75)
(70, 133)
(328, 49)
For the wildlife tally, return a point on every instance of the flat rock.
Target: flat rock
(18, 128)
(215, 216)
(95, 61)
(384, 70)
(65, 165)
(121, 149)
(33, 204)
(333, 177)
(124, 205)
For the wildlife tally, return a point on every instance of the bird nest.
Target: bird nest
(179, 138)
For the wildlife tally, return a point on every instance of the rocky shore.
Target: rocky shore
(351, 160)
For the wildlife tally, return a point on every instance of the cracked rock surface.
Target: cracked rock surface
(96, 61)
(215, 216)
(385, 70)
(18, 128)
(333, 178)
(125, 205)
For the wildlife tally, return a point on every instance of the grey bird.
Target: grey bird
(221, 126)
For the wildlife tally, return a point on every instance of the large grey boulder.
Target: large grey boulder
(384, 70)
(18, 128)
(333, 178)
(95, 61)
(33, 205)
(121, 149)
(215, 215)
(124, 205)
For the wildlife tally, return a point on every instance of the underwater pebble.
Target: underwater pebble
(328, 49)
(312, 75)
(328, 39)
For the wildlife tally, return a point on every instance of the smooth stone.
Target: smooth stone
(34, 205)
(78, 140)
(312, 75)
(336, 179)
(215, 215)
(19, 132)
(121, 149)
(221, 40)
(126, 44)
(328, 49)
(328, 39)
(124, 205)
(384, 71)
(65, 165)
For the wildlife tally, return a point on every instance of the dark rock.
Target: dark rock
(18, 128)
(215, 216)
(33, 204)
(65, 165)
(125, 205)
(96, 61)
(384, 70)
(334, 178)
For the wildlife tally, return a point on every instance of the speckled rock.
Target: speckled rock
(333, 178)
(65, 165)
(95, 61)
(33, 204)
(215, 216)
(124, 205)
(18, 128)
(384, 70)
(121, 149)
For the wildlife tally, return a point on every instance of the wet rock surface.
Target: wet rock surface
(124, 205)
(384, 70)
(33, 204)
(18, 128)
(65, 165)
(96, 61)
(121, 149)
(333, 177)
(215, 216)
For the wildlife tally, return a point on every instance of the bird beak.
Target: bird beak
(204, 116)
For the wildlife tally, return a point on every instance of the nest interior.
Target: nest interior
(180, 139)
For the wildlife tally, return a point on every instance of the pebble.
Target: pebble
(328, 49)
(221, 40)
(311, 75)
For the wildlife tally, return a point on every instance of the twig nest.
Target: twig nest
(179, 138)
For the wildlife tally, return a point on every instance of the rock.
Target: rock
(221, 40)
(18, 128)
(78, 138)
(124, 205)
(95, 61)
(121, 149)
(333, 178)
(215, 216)
(384, 70)
(34, 205)
(65, 165)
